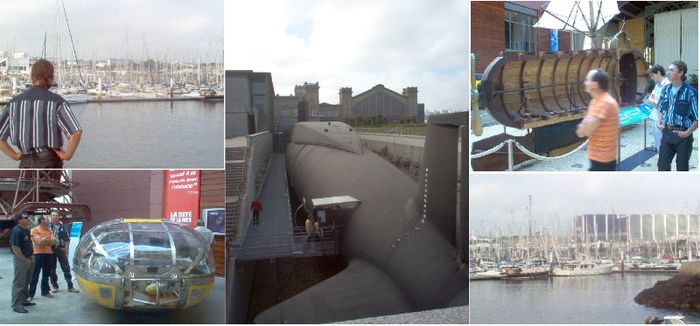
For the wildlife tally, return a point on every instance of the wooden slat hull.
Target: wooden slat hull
(530, 90)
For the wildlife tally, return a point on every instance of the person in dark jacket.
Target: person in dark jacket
(60, 253)
(23, 251)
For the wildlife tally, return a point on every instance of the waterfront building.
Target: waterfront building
(636, 227)
(16, 63)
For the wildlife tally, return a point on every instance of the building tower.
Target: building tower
(412, 104)
(345, 94)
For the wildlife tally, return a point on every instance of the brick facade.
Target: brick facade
(487, 32)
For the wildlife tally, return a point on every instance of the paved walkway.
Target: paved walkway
(632, 142)
(272, 236)
(77, 308)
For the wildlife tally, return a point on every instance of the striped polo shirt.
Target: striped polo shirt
(680, 109)
(602, 144)
(35, 119)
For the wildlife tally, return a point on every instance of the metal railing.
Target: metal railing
(296, 243)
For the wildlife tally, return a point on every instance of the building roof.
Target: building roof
(378, 87)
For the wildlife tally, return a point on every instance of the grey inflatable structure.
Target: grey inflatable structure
(401, 242)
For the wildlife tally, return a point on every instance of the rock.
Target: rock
(677, 292)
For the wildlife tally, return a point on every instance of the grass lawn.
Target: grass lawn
(410, 129)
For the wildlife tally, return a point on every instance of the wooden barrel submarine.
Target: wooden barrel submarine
(543, 93)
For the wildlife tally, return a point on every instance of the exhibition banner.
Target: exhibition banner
(181, 197)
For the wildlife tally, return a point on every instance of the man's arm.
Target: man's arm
(693, 115)
(587, 126)
(44, 241)
(18, 252)
(73, 142)
(652, 100)
(5, 148)
(687, 133)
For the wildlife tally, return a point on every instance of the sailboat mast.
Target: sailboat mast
(59, 74)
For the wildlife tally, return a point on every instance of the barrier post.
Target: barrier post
(510, 154)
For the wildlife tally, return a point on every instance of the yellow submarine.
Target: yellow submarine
(144, 264)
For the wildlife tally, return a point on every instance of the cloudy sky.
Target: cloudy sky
(181, 29)
(492, 197)
(356, 44)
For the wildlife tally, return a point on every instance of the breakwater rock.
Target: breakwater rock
(679, 292)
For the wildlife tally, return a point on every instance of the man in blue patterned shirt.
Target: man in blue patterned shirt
(34, 121)
(678, 119)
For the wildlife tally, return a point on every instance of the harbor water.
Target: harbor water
(156, 134)
(599, 299)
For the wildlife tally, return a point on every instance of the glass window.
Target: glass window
(519, 33)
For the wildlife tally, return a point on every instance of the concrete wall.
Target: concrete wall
(238, 104)
(259, 154)
(690, 268)
(248, 93)
(407, 158)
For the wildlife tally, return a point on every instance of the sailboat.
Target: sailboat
(72, 94)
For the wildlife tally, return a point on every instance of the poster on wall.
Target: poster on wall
(181, 197)
(215, 220)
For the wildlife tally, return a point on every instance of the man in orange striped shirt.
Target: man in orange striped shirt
(601, 123)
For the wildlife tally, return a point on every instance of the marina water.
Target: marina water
(158, 134)
(599, 299)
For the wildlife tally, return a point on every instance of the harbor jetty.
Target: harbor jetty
(679, 292)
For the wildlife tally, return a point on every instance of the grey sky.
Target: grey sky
(356, 44)
(182, 30)
(492, 197)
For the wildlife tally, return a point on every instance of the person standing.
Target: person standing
(601, 123)
(658, 74)
(205, 233)
(23, 261)
(60, 253)
(256, 207)
(34, 120)
(678, 119)
(42, 240)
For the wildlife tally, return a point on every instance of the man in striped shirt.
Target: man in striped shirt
(601, 123)
(34, 121)
(678, 118)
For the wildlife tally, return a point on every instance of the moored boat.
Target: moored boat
(487, 275)
(583, 268)
(526, 272)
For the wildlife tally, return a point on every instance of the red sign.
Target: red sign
(181, 197)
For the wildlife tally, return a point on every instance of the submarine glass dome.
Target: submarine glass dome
(144, 263)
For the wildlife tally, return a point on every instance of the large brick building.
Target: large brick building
(378, 100)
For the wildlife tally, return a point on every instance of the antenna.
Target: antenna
(529, 211)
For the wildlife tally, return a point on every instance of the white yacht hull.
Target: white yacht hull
(583, 270)
(75, 98)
